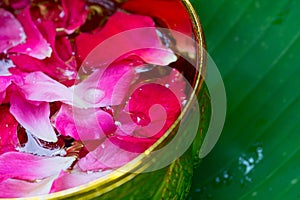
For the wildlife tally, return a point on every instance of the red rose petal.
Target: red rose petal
(157, 9)
(17, 4)
(75, 12)
(8, 131)
(118, 23)
(169, 17)
(153, 109)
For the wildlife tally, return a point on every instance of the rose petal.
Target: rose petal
(8, 131)
(35, 46)
(30, 167)
(14, 188)
(69, 180)
(157, 9)
(39, 87)
(83, 124)
(34, 118)
(134, 40)
(7, 88)
(60, 67)
(64, 49)
(62, 54)
(153, 108)
(17, 4)
(67, 15)
(5, 81)
(75, 14)
(53, 67)
(106, 156)
(168, 17)
(11, 31)
(105, 86)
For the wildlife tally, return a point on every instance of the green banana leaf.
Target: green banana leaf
(256, 46)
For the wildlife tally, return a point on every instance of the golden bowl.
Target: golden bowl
(171, 182)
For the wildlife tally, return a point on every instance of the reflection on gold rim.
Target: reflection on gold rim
(121, 176)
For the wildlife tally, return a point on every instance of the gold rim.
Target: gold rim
(121, 176)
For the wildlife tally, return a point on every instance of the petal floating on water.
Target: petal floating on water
(8, 130)
(35, 46)
(14, 188)
(34, 118)
(30, 167)
(11, 31)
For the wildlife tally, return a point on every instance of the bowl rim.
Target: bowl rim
(118, 177)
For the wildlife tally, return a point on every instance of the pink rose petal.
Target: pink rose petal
(73, 179)
(5, 81)
(14, 188)
(35, 46)
(60, 66)
(8, 131)
(106, 156)
(37, 86)
(106, 86)
(11, 31)
(63, 53)
(83, 124)
(30, 167)
(34, 118)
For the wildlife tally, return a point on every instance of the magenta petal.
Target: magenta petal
(84, 124)
(75, 14)
(53, 66)
(37, 86)
(60, 66)
(14, 188)
(5, 81)
(11, 31)
(18, 4)
(64, 49)
(69, 180)
(121, 22)
(35, 46)
(8, 130)
(108, 87)
(106, 156)
(153, 108)
(34, 118)
(30, 167)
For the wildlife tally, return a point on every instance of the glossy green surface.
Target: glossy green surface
(256, 45)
